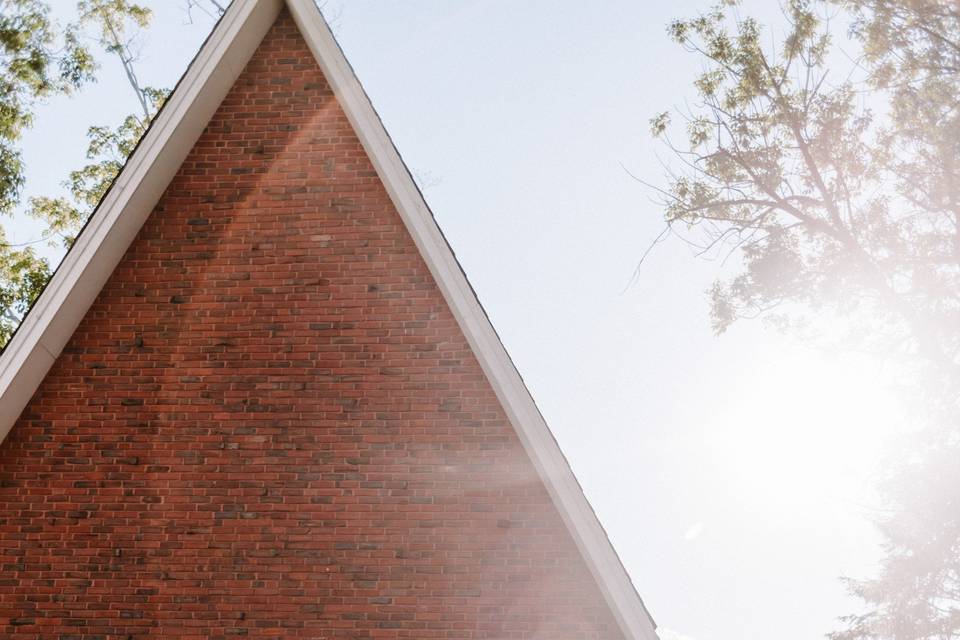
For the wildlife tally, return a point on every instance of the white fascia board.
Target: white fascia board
(120, 215)
(537, 439)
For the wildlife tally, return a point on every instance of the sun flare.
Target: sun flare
(814, 429)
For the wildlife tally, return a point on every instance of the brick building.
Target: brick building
(259, 398)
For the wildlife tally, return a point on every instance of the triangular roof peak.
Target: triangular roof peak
(120, 215)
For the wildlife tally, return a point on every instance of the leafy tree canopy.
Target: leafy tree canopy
(838, 191)
(37, 59)
(39, 69)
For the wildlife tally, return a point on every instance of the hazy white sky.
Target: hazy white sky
(732, 473)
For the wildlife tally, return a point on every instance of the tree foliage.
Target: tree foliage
(916, 594)
(115, 26)
(38, 59)
(912, 50)
(821, 200)
(23, 275)
(108, 148)
(839, 195)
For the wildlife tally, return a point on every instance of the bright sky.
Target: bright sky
(732, 473)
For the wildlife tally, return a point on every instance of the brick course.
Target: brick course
(269, 425)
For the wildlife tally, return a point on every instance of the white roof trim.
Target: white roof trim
(85, 270)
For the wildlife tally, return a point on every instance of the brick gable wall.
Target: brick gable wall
(269, 424)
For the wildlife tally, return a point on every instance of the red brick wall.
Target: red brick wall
(269, 425)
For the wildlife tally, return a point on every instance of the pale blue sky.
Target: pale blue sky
(733, 497)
